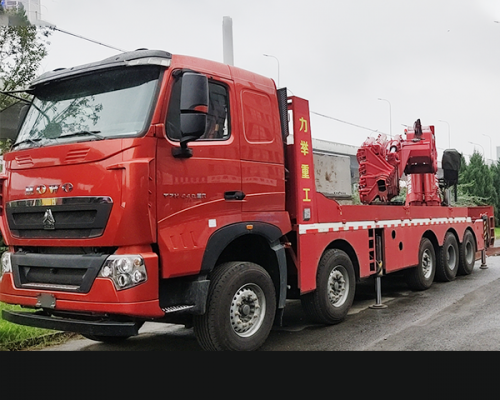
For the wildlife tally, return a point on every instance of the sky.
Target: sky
(367, 67)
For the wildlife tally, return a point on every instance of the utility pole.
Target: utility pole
(449, 136)
(276, 58)
(491, 148)
(227, 40)
(390, 115)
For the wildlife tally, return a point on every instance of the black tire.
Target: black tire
(240, 311)
(467, 252)
(447, 265)
(335, 288)
(421, 277)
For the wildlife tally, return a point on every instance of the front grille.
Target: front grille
(66, 273)
(62, 218)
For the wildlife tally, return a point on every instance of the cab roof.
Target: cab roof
(159, 57)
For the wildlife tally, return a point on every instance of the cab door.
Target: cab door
(196, 195)
(262, 154)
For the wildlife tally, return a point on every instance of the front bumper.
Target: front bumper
(88, 326)
(52, 284)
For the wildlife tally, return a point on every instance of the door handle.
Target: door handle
(234, 196)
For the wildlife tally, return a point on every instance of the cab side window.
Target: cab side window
(218, 122)
(218, 115)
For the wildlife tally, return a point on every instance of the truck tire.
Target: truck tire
(240, 311)
(335, 288)
(421, 277)
(447, 265)
(467, 254)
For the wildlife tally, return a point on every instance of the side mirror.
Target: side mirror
(194, 110)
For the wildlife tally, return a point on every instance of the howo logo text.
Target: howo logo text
(51, 189)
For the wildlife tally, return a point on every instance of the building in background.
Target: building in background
(33, 8)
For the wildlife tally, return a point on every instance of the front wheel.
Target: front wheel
(240, 311)
(335, 287)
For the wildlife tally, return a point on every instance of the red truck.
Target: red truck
(159, 187)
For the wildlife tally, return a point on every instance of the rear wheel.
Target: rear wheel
(467, 254)
(447, 266)
(335, 287)
(422, 276)
(240, 311)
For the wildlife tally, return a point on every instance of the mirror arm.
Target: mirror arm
(182, 152)
(15, 97)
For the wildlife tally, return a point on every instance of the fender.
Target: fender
(219, 240)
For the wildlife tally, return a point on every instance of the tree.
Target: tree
(22, 48)
(476, 181)
(495, 174)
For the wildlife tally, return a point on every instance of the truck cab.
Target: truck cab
(130, 180)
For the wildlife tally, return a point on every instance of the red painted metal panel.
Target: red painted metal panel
(303, 186)
(191, 203)
(126, 174)
(302, 192)
(264, 187)
(262, 152)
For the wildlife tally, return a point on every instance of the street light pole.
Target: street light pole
(491, 154)
(477, 144)
(390, 116)
(449, 136)
(276, 58)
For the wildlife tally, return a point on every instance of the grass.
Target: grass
(15, 337)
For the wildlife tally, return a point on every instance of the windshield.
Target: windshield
(103, 105)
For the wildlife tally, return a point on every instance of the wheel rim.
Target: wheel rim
(427, 264)
(469, 253)
(338, 286)
(248, 310)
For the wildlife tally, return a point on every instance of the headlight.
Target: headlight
(125, 271)
(6, 266)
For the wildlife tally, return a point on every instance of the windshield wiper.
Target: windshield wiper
(95, 134)
(27, 141)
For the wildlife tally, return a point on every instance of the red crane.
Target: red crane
(383, 162)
